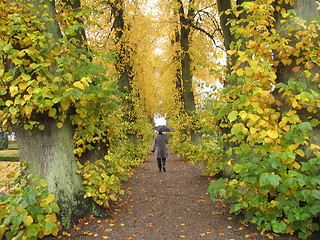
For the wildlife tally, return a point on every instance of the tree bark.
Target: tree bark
(124, 68)
(186, 71)
(50, 154)
(306, 10)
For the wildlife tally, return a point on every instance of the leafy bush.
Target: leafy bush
(272, 196)
(29, 211)
(103, 178)
(3, 141)
(207, 154)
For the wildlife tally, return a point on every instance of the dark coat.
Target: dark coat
(160, 146)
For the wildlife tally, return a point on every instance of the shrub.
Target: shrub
(29, 211)
(3, 141)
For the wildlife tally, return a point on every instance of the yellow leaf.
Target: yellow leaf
(11, 175)
(295, 104)
(307, 73)
(49, 198)
(268, 140)
(300, 152)
(272, 134)
(240, 72)
(287, 61)
(293, 147)
(102, 189)
(243, 114)
(108, 230)
(56, 51)
(65, 105)
(27, 220)
(28, 111)
(25, 76)
(23, 85)
(296, 165)
(59, 125)
(253, 130)
(79, 84)
(52, 112)
(13, 90)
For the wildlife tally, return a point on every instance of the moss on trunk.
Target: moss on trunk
(50, 154)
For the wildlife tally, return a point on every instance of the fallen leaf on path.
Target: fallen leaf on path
(250, 235)
(268, 235)
(86, 220)
(76, 228)
(88, 233)
(108, 230)
(221, 234)
(105, 237)
(148, 225)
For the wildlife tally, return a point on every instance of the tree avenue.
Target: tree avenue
(238, 79)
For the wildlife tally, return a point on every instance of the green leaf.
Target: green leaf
(279, 227)
(315, 194)
(75, 93)
(232, 116)
(305, 126)
(267, 178)
(237, 168)
(33, 229)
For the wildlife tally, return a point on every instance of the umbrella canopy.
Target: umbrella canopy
(163, 128)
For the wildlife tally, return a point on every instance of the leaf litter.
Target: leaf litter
(169, 205)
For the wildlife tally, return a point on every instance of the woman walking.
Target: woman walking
(160, 147)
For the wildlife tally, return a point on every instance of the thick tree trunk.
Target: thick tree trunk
(50, 154)
(231, 80)
(306, 10)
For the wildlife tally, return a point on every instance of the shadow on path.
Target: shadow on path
(167, 205)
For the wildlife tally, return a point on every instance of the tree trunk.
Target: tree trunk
(50, 154)
(124, 69)
(231, 80)
(306, 10)
(186, 72)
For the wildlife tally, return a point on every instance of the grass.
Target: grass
(9, 155)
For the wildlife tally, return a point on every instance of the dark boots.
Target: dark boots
(162, 164)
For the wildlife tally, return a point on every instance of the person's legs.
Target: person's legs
(159, 164)
(164, 160)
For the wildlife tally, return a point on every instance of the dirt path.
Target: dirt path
(167, 206)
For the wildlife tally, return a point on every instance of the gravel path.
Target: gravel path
(166, 206)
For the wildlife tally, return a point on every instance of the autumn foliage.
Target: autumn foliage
(259, 118)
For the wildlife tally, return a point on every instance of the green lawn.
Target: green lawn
(9, 155)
